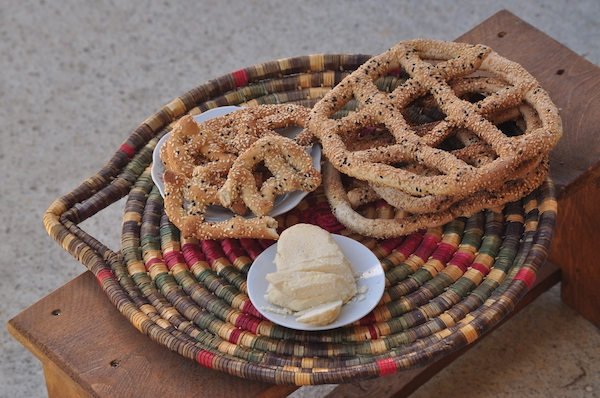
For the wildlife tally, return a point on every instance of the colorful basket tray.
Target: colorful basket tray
(445, 286)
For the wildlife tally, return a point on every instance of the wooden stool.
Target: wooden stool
(72, 331)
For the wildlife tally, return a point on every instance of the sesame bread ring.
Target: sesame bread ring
(432, 66)
(290, 167)
(436, 203)
(406, 223)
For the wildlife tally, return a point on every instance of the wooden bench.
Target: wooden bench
(73, 331)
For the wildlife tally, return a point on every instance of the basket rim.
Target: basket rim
(127, 174)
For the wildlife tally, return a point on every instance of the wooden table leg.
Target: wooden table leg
(576, 247)
(60, 385)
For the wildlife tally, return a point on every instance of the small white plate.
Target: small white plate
(370, 277)
(283, 203)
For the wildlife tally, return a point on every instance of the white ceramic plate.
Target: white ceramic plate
(370, 276)
(283, 203)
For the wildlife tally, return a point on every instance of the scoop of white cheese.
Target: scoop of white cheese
(321, 315)
(313, 275)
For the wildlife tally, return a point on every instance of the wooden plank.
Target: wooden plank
(576, 246)
(405, 383)
(92, 350)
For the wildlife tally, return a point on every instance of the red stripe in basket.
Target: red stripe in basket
(128, 149)
(205, 358)
(248, 323)
(241, 78)
(372, 332)
(368, 319)
(232, 249)
(427, 246)
(410, 244)
(248, 308)
(526, 275)
(192, 253)
(462, 260)
(235, 336)
(102, 275)
(252, 247)
(173, 257)
(152, 261)
(444, 252)
(212, 250)
(481, 268)
(386, 366)
(390, 244)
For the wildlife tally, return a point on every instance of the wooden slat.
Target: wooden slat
(576, 245)
(82, 345)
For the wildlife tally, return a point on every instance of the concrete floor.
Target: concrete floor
(76, 77)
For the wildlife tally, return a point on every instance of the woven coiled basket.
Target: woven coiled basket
(445, 286)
